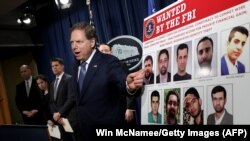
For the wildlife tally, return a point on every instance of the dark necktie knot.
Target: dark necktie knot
(83, 64)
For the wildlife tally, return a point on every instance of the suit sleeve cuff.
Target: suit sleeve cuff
(129, 92)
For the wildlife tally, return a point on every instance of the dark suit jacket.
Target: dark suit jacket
(65, 100)
(130, 100)
(151, 79)
(158, 77)
(224, 68)
(99, 103)
(227, 119)
(25, 103)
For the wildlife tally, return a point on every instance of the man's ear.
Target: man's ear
(200, 101)
(92, 42)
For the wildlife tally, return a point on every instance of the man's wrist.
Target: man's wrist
(131, 92)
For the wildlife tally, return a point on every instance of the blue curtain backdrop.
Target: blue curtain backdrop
(111, 18)
(54, 26)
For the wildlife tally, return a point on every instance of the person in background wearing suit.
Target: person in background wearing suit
(235, 45)
(149, 74)
(101, 81)
(130, 101)
(62, 101)
(221, 115)
(28, 98)
(43, 84)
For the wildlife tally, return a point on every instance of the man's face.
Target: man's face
(219, 102)
(105, 49)
(193, 105)
(163, 63)
(149, 68)
(80, 45)
(172, 106)
(155, 104)
(57, 68)
(205, 54)
(25, 72)
(235, 46)
(182, 60)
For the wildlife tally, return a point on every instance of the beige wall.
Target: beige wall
(12, 77)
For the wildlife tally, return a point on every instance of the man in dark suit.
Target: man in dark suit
(62, 101)
(98, 97)
(221, 115)
(28, 98)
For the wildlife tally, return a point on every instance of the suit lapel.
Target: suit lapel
(92, 68)
(60, 85)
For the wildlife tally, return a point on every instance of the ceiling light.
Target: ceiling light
(63, 4)
(64, 1)
(27, 18)
(19, 21)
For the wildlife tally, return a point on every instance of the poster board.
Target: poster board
(187, 22)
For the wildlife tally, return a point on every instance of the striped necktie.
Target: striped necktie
(27, 88)
(55, 88)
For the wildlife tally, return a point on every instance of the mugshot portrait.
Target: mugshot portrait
(149, 65)
(193, 105)
(164, 65)
(155, 104)
(205, 64)
(220, 104)
(235, 50)
(172, 106)
(182, 61)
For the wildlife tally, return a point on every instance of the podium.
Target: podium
(24, 133)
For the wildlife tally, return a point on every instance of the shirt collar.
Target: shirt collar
(29, 80)
(60, 76)
(90, 57)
